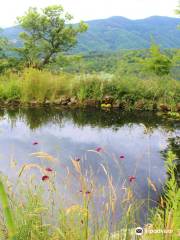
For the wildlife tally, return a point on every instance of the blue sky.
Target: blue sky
(90, 9)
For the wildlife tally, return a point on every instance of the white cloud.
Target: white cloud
(90, 9)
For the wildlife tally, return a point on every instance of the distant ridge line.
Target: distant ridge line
(117, 32)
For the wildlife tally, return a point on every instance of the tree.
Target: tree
(3, 47)
(47, 33)
(157, 62)
(3, 56)
(131, 63)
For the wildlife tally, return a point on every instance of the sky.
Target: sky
(90, 9)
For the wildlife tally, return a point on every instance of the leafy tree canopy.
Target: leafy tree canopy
(3, 55)
(3, 47)
(47, 33)
(157, 62)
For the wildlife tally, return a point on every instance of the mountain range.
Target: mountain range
(117, 33)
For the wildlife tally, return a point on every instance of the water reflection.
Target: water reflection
(36, 117)
(64, 134)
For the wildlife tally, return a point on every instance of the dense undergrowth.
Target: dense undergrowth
(128, 92)
(34, 210)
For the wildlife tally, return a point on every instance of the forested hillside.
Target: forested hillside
(117, 33)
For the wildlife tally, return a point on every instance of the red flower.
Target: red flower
(45, 178)
(132, 178)
(35, 143)
(121, 157)
(99, 149)
(49, 169)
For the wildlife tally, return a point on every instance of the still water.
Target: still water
(130, 144)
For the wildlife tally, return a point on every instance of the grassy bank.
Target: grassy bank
(36, 210)
(126, 92)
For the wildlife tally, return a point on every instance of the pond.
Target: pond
(127, 144)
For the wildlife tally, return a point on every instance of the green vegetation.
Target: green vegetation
(166, 215)
(47, 33)
(126, 92)
(3, 58)
(41, 212)
(42, 71)
(158, 63)
(7, 213)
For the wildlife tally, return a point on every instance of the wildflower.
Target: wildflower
(49, 169)
(121, 157)
(45, 178)
(99, 149)
(35, 143)
(132, 178)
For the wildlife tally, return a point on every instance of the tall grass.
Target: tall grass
(10, 87)
(42, 85)
(11, 233)
(35, 85)
(166, 216)
(130, 89)
(155, 88)
(41, 212)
